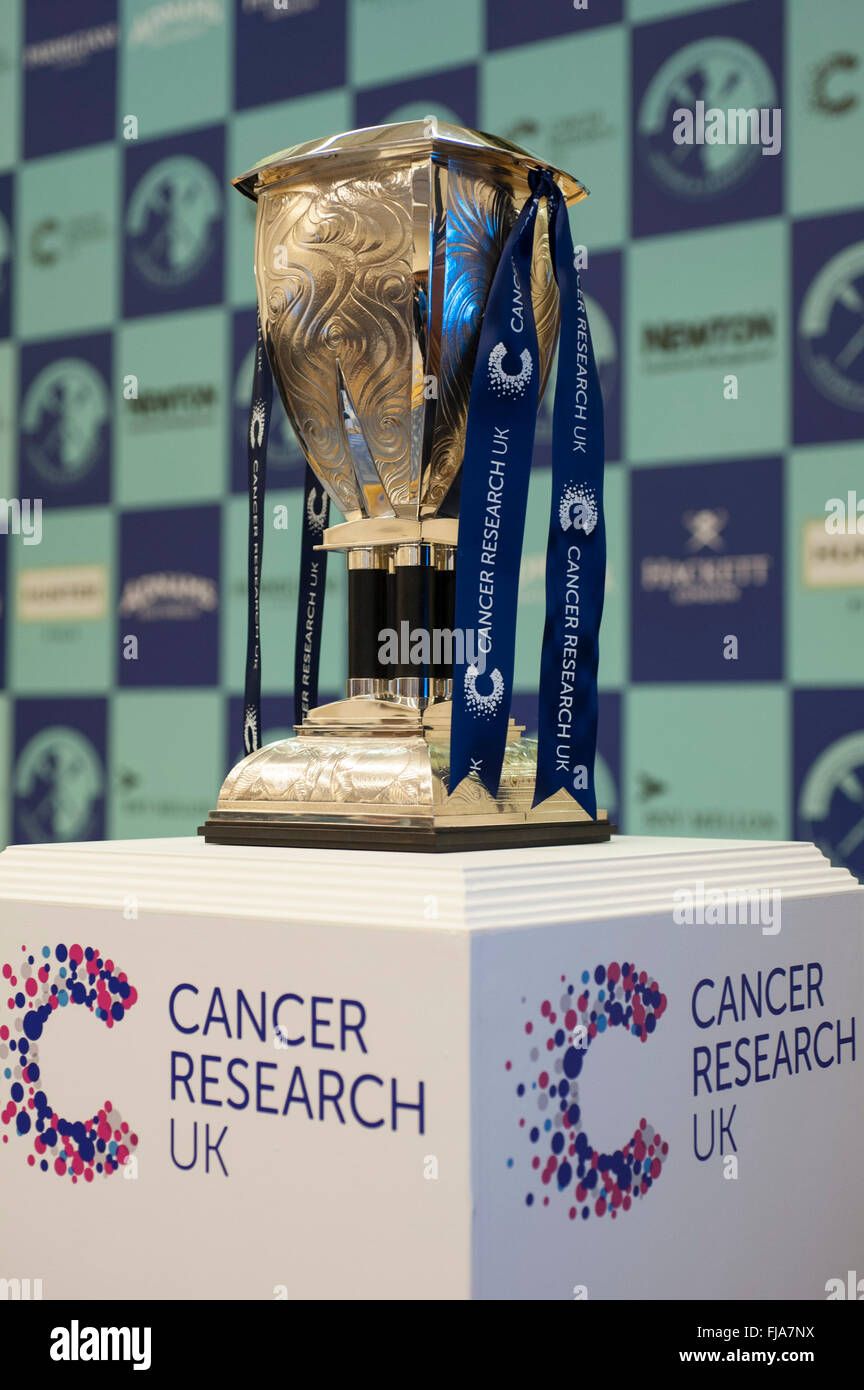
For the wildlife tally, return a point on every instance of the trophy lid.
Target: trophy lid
(430, 138)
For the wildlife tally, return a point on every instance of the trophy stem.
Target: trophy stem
(401, 597)
(368, 603)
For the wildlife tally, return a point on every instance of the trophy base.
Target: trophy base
(372, 773)
(441, 839)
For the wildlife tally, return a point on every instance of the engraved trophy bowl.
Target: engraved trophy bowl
(374, 254)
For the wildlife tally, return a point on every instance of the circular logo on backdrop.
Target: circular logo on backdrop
(64, 418)
(831, 328)
(831, 803)
(723, 73)
(172, 220)
(59, 780)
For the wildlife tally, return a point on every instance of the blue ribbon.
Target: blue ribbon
(313, 565)
(499, 442)
(576, 549)
(310, 597)
(502, 414)
(259, 429)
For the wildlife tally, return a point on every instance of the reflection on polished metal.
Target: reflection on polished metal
(374, 254)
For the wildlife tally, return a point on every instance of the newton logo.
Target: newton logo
(562, 1157)
(172, 220)
(41, 985)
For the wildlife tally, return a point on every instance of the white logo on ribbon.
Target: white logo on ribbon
(257, 420)
(483, 705)
(578, 508)
(316, 517)
(507, 383)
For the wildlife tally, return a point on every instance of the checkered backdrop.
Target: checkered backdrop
(726, 292)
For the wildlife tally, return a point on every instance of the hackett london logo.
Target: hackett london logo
(164, 596)
(831, 329)
(705, 578)
(63, 420)
(705, 72)
(172, 220)
(40, 986)
(562, 1158)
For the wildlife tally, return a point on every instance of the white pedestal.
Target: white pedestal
(380, 1147)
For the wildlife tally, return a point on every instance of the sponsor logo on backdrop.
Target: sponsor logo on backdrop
(64, 418)
(174, 21)
(717, 72)
(72, 50)
(561, 1163)
(54, 239)
(278, 9)
(164, 597)
(704, 573)
(831, 328)
(177, 406)
(58, 783)
(557, 137)
(661, 818)
(62, 594)
(832, 561)
(831, 801)
(833, 83)
(40, 986)
(173, 220)
(716, 341)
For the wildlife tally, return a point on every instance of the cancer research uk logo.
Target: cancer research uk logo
(39, 986)
(174, 224)
(578, 508)
(563, 1160)
(505, 383)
